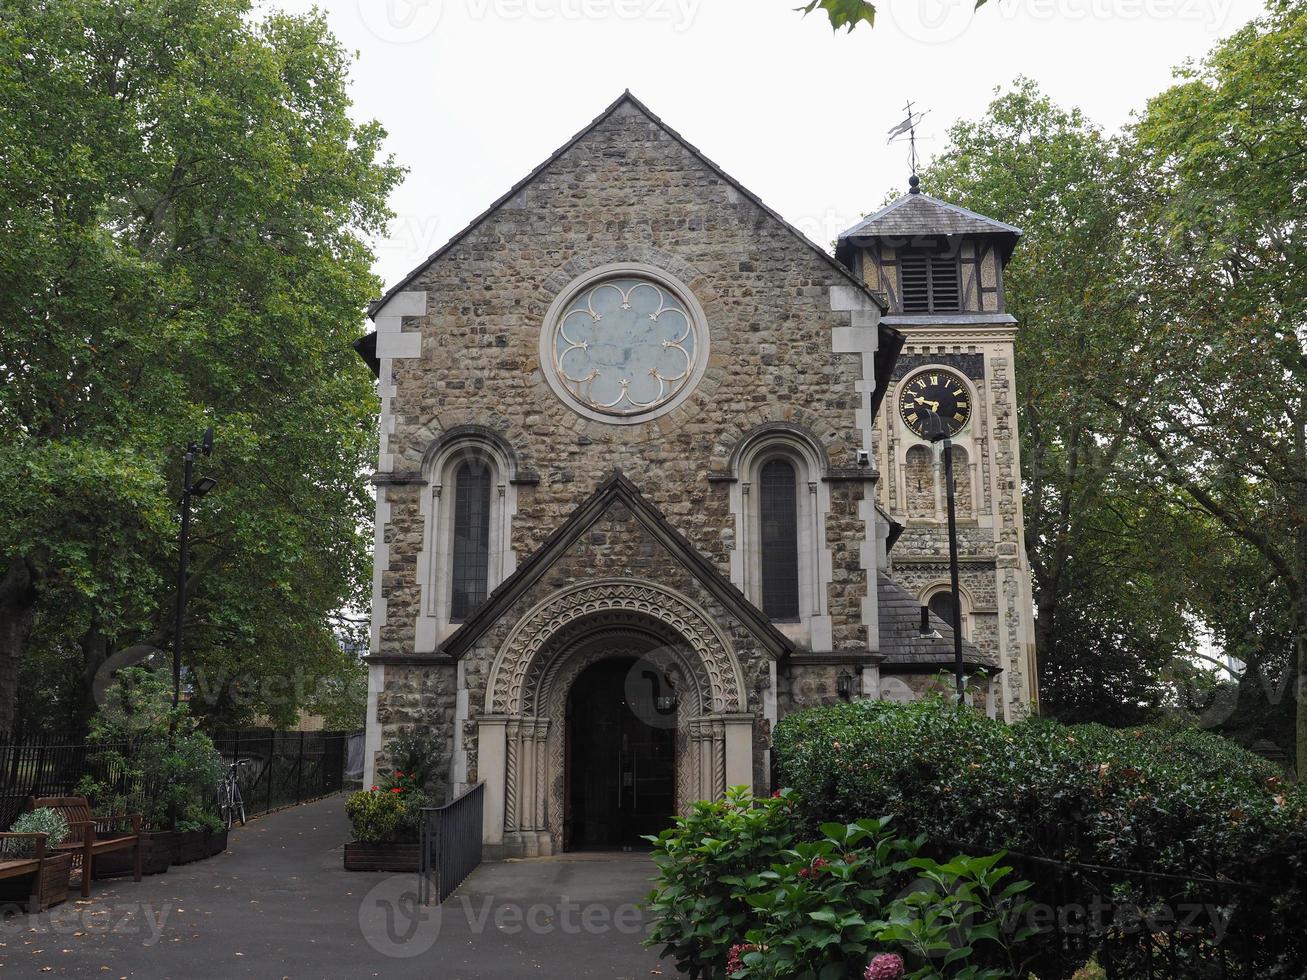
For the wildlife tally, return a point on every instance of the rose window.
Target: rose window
(625, 347)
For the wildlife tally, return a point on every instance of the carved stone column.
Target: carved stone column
(544, 779)
(513, 774)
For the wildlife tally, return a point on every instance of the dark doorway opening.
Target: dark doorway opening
(620, 770)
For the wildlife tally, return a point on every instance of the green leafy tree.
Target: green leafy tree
(1108, 587)
(1220, 396)
(184, 199)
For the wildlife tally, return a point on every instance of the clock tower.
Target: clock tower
(940, 269)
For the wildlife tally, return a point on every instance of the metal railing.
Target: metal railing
(450, 845)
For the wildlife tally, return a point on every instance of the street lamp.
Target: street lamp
(191, 488)
(936, 430)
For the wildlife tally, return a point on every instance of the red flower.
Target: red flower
(398, 789)
(375, 788)
(398, 773)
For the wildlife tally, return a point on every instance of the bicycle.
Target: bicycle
(230, 805)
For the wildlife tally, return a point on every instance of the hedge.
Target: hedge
(1146, 821)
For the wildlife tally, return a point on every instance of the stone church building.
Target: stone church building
(651, 477)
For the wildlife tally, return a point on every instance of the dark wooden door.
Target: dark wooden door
(621, 758)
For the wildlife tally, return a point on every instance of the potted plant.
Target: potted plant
(215, 835)
(385, 824)
(153, 745)
(55, 871)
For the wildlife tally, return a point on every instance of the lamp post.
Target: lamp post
(936, 430)
(191, 488)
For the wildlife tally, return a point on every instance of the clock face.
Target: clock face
(933, 390)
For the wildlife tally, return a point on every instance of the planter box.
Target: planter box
(215, 843)
(191, 846)
(158, 851)
(50, 890)
(381, 857)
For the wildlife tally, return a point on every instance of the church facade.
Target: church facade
(648, 481)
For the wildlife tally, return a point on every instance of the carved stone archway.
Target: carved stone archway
(521, 737)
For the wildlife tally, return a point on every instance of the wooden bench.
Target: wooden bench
(88, 837)
(13, 867)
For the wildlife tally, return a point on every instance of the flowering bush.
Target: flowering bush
(390, 812)
(739, 897)
(703, 861)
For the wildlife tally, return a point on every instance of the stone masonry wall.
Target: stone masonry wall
(627, 192)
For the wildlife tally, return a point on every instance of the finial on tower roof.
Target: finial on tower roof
(914, 184)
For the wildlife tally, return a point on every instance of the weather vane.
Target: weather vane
(909, 126)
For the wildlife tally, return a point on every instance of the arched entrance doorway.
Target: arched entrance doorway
(533, 702)
(620, 756)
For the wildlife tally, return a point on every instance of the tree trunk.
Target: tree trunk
(95, 651)
(1299, 690)
(18, 595)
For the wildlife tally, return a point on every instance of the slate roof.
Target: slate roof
(616, 488)
(901, 642)
(921, 214)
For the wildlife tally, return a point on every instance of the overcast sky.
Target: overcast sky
(475, 93)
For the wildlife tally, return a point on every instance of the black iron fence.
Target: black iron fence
(1144, 924)
(53, 766)
(284, 768)
(450, 845)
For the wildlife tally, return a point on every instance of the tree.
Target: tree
(184, 199)
(1108, 608)
(1220, 396)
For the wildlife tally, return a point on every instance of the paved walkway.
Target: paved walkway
(278, 904)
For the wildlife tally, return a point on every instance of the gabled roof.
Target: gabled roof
(920, 214)
(616, 488)
(901, 642)
(626, 98)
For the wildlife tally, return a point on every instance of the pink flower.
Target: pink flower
(886, 966)
(735, 957)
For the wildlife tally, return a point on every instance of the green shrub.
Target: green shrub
(42, 821)
(738, 896)
(1166, 802)
(385, 816)
(703, 861)
(147, 742)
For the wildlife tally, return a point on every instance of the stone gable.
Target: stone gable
(627, 191)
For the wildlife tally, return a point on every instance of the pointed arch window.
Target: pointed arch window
(470, 569)
(778, 512)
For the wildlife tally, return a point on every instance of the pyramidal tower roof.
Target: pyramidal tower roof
(916, 214)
